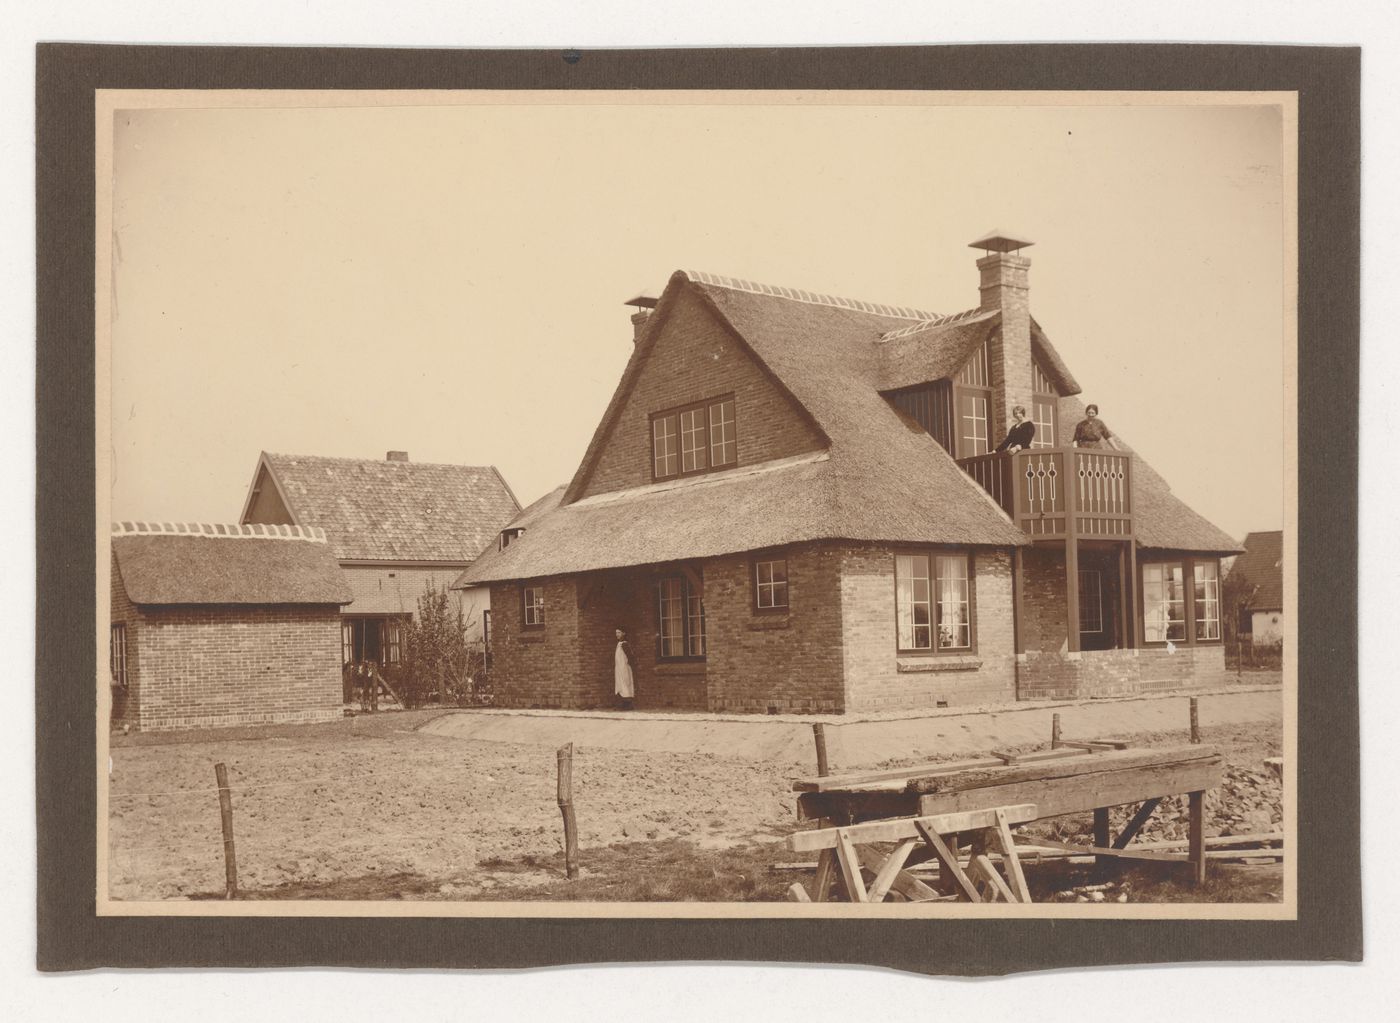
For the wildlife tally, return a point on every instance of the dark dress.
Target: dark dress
(1091, 433)
(1019, 436)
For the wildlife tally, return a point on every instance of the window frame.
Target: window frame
(687, 637)
(1196, 619)
(529, 608)
(119, 656)
(1188, 563)
(671, 423)
(755, 564)
(931, 556)
(1044, 395)
(1097, 577)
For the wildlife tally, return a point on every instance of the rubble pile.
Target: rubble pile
(1111, 891)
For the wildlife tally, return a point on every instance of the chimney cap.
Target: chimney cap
(396, 456)
(998, 240)
(643, 300)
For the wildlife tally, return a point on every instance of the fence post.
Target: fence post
(226, 822)
(1055, 731)
(565, 758)
(1195, 722)
(819, 733)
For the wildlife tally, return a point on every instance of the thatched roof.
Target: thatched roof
(199, 563)
(375, 510)
(881, 477)
(1261, 565)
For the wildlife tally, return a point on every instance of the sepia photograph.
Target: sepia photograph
(697, 503)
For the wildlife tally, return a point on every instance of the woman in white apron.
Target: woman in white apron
(623, 665)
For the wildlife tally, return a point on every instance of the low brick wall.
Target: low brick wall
(1061, 676)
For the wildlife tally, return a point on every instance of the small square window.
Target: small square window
(534, 607)
(771, 585)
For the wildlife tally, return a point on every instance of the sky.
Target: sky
(449, 279)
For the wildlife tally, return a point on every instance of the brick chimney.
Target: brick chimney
(1005, 287)
(396, 456)
(645, 303)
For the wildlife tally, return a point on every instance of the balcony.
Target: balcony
(1058, 493)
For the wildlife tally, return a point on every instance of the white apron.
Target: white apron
(622, 674)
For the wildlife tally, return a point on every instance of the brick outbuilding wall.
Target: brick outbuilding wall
(700, 360)
(126, 700)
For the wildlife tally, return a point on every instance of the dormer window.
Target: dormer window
(694, 438)
(973, 396)
(508, 534)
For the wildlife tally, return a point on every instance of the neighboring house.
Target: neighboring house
(395, 527)
(1260, 569)
(223, 625)
(791, 506)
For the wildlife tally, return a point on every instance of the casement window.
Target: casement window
(1045, 414)
(1169, 603)
(973, 400)
(1207, 579)
(933, 602)
(533, 600)
(119, 655)
(1163, 602)
(393, 641)
(770, 584)
(693, 439)
(680, 624)
(486, 632)
(1090, 601)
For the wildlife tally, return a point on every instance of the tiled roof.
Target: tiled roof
(1261, 565)
(379, 510)
(881, 478)
(202, 563)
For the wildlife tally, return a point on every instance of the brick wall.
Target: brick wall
(1057, 676)
(696, 358)
(214, 666)
(126, 701)
(879, 678)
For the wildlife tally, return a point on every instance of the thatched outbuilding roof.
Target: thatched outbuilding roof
(199, 563)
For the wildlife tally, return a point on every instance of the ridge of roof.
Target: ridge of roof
(937, 321)
(381, 461)
(221, 530)
(811, 297)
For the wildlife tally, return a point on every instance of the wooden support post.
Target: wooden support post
(1055, 731)
(1196, 835)
(565, 796)
(1071, 585)
(826, 866)
(1018, 615)
(819, 733)
(948, 866)
(1009, 859)
(849, 861)
(1135, 825)
(1136, 641)
(1195, 722)
(1125, 621)
(226, 822)
(890, 869)
(1101, 835)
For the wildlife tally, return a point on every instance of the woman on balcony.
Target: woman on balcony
(1091, 432)
(1021, 434)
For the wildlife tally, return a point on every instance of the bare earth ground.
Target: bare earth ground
(369, 808)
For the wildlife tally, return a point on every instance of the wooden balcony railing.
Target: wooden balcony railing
(1052, 493)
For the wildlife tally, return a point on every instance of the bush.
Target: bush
(438, 659)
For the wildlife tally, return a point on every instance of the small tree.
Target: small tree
(438, 657)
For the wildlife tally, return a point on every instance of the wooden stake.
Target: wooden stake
(565, 757)
(819, 733)
(226, 822)
(1196, 834)
(1195, 721)
(1055, 731)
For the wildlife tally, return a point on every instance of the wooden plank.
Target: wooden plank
(851, 779)
(1117, 760)
(948, 863)
(904, 882)
(1088, 745)
(904, 827)
(1014, 872)
(983, 866)
(849, 861)
(796, 893)
(1102, 850)
(1135, 825)
(893, 864)
(854, 807)
(1057, 796)
(821, 885)
(1115, 743)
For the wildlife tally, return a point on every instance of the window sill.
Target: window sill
(938, 663)
(762, 621)
(680, 668)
